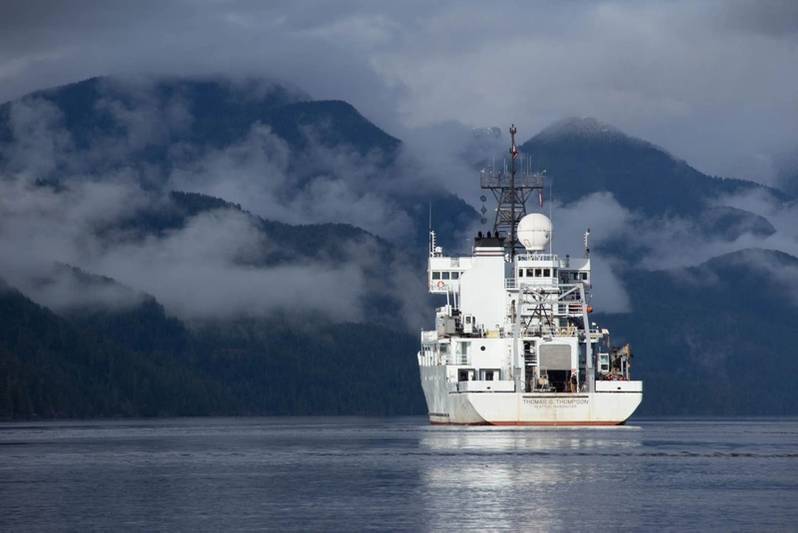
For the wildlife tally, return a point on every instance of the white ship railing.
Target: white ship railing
(570, 308)
(537, 257)
(499, 179)
(458, 359)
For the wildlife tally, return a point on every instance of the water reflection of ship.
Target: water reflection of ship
(503, 478)
(514, 344)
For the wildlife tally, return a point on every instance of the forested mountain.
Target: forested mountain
(140, 362)
(584, 156)
(715, 339)
(272, 142)
(54, 368)
(206, 246)
(112, 352)
(205, 113)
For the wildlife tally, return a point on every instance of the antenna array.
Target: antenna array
(511, 189)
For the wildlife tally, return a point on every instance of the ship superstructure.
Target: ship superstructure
(514, 344)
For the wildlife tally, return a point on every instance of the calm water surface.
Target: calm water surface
(397, 473)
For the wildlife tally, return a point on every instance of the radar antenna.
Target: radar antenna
(511, 193)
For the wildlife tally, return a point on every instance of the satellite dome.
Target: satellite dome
(534, 231)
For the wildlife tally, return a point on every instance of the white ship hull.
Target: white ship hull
(612, 404)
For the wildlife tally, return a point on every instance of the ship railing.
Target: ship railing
(570, 309)
(458, 359)
(429, 336)
(489, 180)
(537, 257)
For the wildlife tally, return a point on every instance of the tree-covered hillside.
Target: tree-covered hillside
(139, 362)
(716, 339)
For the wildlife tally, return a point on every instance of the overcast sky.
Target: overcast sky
(715, 83)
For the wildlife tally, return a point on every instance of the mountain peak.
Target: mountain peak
(583, 127)
(748, 256)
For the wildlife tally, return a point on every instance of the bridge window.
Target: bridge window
(436, 275)
(490, 374)
(529, 273)
(520, 272)
(445, 275)
(584, 275)
(546, 272)
(538, 273)
(455, 275)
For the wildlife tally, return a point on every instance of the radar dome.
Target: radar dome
(534, 231)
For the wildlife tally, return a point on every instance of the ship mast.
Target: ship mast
(513, 156)
(511, 193)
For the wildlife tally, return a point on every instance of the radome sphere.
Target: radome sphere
(534, 231)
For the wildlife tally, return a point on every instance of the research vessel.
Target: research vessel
(514, 343)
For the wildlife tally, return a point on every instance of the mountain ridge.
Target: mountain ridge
(584, 156)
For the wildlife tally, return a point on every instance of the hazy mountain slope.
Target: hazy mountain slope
(583, 155)
(201, 244)
(153, 125)
(209, 111)
(716, 339)
(304, 363)
(253, 142)
(338, 122)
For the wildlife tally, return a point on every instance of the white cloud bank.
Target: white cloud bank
(713, 82)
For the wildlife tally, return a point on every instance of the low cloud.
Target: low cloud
(623, 240)
(65, 201)
(675, 242)
(41, 143)
(607, 219)
(212, 267)
(713, 82)
(321, 185)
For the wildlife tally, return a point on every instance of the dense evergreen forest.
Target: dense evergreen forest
(139, 362)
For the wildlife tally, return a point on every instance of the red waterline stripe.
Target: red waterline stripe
(553, 423)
